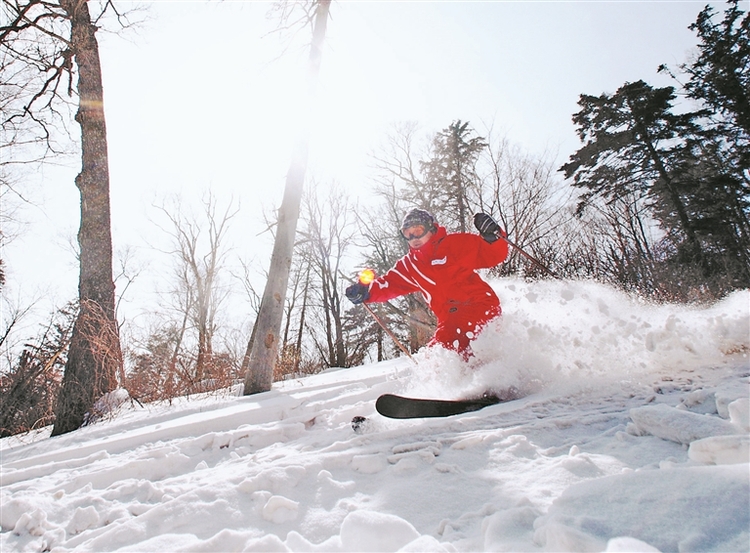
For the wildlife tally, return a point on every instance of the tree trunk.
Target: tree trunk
(95, 356)
(674, 196)
(259, 376)
(340, 343)
(298, 346)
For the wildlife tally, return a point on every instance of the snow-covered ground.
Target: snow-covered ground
(632, 436)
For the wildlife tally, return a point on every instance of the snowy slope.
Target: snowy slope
(632, 435)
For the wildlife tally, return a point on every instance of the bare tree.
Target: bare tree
(398, 169)
(291, 346)
(200, 254)
(50, 55)
(29, 387)
(259, 377)
(289, 353)
(329, 235)
(522, 191)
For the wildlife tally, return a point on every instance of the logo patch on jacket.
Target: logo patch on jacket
(440, 261)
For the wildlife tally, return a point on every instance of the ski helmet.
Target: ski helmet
(418, 217)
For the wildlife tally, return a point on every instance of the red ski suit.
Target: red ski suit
(444, 271)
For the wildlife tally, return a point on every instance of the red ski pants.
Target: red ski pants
(461, 324)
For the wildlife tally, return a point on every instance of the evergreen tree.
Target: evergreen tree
(451, 170)
(692, 167)
(720, 74)
(719, 81)
(634, 143)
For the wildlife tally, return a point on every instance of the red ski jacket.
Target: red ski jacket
(444, 271)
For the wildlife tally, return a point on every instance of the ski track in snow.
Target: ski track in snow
(632, 436)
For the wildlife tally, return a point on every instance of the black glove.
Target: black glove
(358, 293)
(487, 227)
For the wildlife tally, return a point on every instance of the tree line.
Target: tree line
(656, 201)
(685, 167)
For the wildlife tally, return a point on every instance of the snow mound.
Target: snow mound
(701, 513)
(721, 450)
(679, 426)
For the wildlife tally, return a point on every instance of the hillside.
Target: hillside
(632, 435)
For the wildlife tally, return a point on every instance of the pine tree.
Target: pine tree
(719, 181)
(691, 166)
(452, 171)
(633, 142)
(719, 80)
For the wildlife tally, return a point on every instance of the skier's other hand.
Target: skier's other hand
(358, 293)
(488, 227)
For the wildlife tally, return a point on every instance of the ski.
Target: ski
(399, 407)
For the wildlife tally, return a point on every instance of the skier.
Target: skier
(443, 268)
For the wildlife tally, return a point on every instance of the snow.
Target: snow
(679, 426)
(631, 435)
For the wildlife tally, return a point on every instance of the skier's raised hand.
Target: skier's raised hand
(487, 227)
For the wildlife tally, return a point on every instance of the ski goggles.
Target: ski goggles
(415, 232)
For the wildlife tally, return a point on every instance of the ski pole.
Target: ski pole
(530, 257)
(366, 277)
